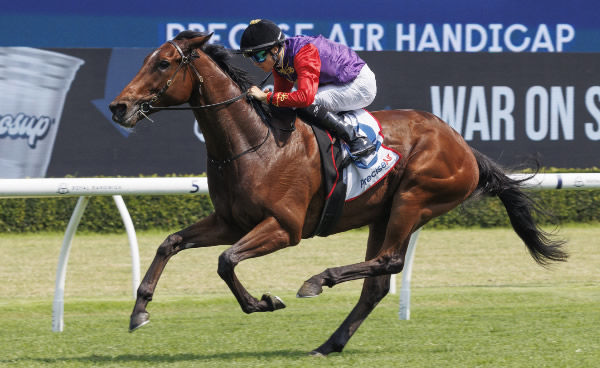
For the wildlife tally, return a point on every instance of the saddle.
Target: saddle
(344, 182)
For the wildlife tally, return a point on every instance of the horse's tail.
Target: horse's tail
(519, 206)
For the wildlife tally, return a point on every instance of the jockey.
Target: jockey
(330, 78)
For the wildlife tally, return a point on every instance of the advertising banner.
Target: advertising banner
(516, 79)
(511, 106)
(379, 25)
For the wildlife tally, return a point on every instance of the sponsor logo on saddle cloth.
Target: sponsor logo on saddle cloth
(365, 172)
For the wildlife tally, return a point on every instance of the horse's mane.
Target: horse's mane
(222, 56)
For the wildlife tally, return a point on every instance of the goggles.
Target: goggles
(259, 56)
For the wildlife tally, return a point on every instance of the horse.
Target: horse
(267, 190)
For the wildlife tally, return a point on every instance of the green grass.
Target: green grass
(478, 301)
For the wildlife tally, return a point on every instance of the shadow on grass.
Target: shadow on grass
(96, 359)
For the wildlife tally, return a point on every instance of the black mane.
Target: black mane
(222, 56)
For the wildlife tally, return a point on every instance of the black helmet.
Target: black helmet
(261, 34)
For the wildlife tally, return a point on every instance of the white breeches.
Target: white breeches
(356, 94)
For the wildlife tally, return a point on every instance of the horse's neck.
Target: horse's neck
(230, 129)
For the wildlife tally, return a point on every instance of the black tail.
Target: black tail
(519, 206)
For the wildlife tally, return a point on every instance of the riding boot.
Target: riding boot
(359, 144)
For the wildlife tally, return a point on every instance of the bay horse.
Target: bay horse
(267, 190)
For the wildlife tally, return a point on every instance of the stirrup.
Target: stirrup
(360, 147)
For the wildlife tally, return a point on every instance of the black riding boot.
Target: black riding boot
(317, 114)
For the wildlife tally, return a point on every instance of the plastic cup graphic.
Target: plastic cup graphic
(33, 84)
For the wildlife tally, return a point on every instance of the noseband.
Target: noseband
(186, 61)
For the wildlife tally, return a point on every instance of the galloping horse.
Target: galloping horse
(266, 183)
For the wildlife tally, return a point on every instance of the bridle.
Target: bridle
(186, 61)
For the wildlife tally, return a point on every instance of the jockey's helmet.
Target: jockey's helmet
(261, 34)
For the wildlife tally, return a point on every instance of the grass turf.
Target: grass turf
(478, 301)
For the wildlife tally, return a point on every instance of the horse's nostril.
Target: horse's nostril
(118, 109)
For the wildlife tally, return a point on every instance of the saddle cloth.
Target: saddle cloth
(346, 179)
(362, 174)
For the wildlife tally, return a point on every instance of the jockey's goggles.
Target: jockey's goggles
(259, 56)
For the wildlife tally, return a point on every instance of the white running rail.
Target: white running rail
(539, 181)
(84, 188)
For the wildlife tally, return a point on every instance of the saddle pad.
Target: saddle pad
(360, 174)
(364, 173)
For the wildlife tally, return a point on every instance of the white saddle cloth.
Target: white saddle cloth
(362, 174)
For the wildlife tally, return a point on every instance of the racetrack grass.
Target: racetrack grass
(478, 301)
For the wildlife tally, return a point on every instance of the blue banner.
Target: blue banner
(406, 25)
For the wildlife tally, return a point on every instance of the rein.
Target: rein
(147, 107)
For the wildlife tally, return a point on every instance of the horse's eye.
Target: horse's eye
(163, 65)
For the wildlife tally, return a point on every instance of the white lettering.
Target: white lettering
(428, 39)
(375, 33)
(233, 35)
(477, 108)
(591, 96)
(503, 112)
(469, 37)
(564, 33)
(453, 37)
(446, 37)
(536, 93)
(173, 29)
(409, 37)
(196, 27)
(284, 28)
(446, 108)
(337, 34)
(356, 29)
(562, 112)
(495, 27)
(542, 39)
(216, 27)
(508, 38)
(301, 27)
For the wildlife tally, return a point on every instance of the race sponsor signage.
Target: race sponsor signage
(407, 25)
(510, 106)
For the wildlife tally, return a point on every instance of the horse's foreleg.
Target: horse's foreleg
(210, 231)
(265, 238)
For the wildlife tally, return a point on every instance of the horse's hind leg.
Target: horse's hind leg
(388, 243)
(410, 210)
(374, 289)
(210, 231)
(388, 260)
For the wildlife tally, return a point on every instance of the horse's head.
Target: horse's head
(163, 80)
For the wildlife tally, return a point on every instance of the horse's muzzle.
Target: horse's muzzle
(119, 110)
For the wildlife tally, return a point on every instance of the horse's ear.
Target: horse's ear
(198, 42)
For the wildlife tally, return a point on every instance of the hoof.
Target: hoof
(273, 301)
(309, 290)
(138, 320)
(316, 353)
